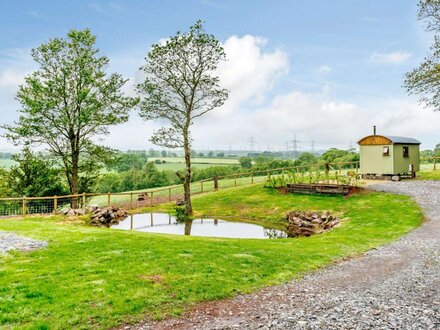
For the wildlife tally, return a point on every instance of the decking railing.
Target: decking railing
(151, 197)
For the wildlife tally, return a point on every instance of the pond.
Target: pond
(167, 224)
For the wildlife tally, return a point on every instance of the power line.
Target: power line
(251, 144)
(295, 146)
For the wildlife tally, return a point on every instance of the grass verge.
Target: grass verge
(94, 278)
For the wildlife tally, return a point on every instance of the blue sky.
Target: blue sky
(323, 70)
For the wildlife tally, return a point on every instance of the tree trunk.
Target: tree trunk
(74, 185)
(187, 179)
(188, 225)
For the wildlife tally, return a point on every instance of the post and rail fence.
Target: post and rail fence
(22, 206)
(436, 159)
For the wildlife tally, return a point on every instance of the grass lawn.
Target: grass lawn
(178, 190)
(100, 278)
(427, 172)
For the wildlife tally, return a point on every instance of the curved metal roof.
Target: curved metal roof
(402, 140)
(387, 139)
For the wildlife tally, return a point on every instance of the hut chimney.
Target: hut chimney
(374, 130)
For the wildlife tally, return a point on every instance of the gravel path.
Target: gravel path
(394, 287)
(9, 241)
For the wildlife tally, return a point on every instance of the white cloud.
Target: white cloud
(250, 74)
(10, 79)
(324, 69)
(249, 71)
(397, 57)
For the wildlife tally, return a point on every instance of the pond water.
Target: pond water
(167, 224)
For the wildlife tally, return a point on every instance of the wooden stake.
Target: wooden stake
(55, 204)
(23, 206)
(84, 201)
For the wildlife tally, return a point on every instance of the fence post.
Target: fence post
(169, 194)
(108, 199)
(216, 183)
(434, 163)
(201, 187)
(131, 201)
(340, 168)
(235, 180)
(151, 198)
(84, 201)
(23, 206)
(55, 204)
(252, 177)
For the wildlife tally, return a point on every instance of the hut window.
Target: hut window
(386, 150)
(405, 151)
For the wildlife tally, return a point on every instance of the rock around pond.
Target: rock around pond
(167, 224)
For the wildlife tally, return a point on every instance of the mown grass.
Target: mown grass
(99, 278)
(196, 188)
(427, 172)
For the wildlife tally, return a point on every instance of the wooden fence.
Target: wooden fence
(150, 197)
(435, 161)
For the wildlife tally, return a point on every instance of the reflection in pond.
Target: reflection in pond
(167, 224)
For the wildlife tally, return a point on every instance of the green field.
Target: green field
(178, 163)
(177, 190)
(427, 172)
(96, 278)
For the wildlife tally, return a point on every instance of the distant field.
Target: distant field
(178, 163)
(427, 172)
(202, 160)
(6, 163)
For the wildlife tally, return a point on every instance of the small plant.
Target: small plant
(180, 213)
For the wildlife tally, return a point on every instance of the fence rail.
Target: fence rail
(134, 199)
(436, 160)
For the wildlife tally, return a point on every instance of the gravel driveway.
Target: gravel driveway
(10, 241)
(394, 287)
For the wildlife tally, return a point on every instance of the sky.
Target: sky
(321, 71)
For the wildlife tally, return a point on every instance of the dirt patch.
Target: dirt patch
(156, 279)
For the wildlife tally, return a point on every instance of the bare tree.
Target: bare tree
(181, 85)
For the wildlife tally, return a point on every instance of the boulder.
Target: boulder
(107, 216)
(308, 223)
(74, 212)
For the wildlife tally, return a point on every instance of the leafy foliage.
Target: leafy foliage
(35, 175)
(135, 179)
(129, 160)
(68, 102)
(425, 80)
(334, 155)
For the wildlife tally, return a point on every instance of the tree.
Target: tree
(306, 159)
(180, 86)
(245, 162)
(35, 175)
(68, 102)
(425, 80)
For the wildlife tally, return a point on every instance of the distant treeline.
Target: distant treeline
(426, 156)
(37, 174)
